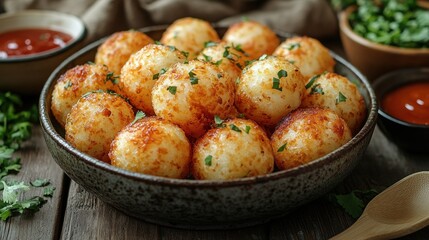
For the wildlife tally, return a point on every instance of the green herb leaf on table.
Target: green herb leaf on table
(354, 202)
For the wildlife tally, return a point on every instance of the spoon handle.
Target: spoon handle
(363, 229)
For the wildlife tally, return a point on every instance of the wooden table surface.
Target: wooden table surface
(73, 213)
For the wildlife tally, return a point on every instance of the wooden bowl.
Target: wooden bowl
(204, 204)
(374, 59)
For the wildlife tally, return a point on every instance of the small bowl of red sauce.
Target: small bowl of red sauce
(403, 97)
(32, 44)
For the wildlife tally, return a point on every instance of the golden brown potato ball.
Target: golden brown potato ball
(143, 69)
(237, 148)
(307, 134)
(191, 94)
(189, 35)
(76, 82)
(95, 120)
(118, 47)
(229, 59)
(268, 89)
(336, 92)
(152, 146)
(256, 39)
(308, 54)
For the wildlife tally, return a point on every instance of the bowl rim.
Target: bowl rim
(49, 130)
(387, 77)
(345, 27)
(49, 53)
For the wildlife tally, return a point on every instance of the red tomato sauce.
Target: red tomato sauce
(30, 41)
(409, 103)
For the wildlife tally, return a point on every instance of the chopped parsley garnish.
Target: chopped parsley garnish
(186, 54)
(234, 128)
(158, 42)
(68, 84)
(111, 77)
(210, 44)
(293, 46)
(172, 89)
(16, 124)
(317, 88)
(340, 98)
(354, 202)
(208, 160)
(139, 115)
(247, 130)
(311, 82)
(282, 148)
(276, 81)
(172, 48)
(207, 58)
(247, 62)
(192, 77)
(156, 75)
(239, 49)
(218, 121)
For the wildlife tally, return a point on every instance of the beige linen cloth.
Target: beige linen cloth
(313, 18)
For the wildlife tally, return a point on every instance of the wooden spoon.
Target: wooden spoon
(401, 209)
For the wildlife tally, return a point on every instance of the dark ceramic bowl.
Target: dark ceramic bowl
(203, 204)
(408, 136)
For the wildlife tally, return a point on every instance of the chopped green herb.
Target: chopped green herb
(209, 44)
(207, 58)
(234, 128)
(293, 46)
(217, 63)
(40, 182)
(276, 84)
(172, 89)
(282, 148)
(218, 121)
(247, 130)
(282, 73)
(172, 48)
(192, 77)
(186, 54)
(354, 202)
(247, 62)
(238, 48)
(111, 77)
(311, 82)
(340, 98)
(317, 88)
(158, 42)
(208, 160)
(68, 85)
(139, 115)
(48, 191)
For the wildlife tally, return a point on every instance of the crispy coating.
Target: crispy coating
(143, 69)
(76, 82)
(307, 134)
(118, 47)
(255, 38)
(238, 149)
(260, 99)
(229, 59)
(152, 146)
(308, 54)
(95, 120)
(191, 94)
(336, 92)
(189, 35)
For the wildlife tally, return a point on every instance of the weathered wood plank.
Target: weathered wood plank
(37, 163)
(87, 217)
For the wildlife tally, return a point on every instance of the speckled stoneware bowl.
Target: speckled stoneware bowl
(200, 204)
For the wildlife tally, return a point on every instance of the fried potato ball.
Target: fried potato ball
(239, 148)
(229, 59)
(268, 89)
(77, 81)
(191, 94)
(118, 47)
(94, 121)
(307, 134)
(308, 54)
(189, 35)
(256, 39)
(152, 146)
(143, 69)
(336, 92)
